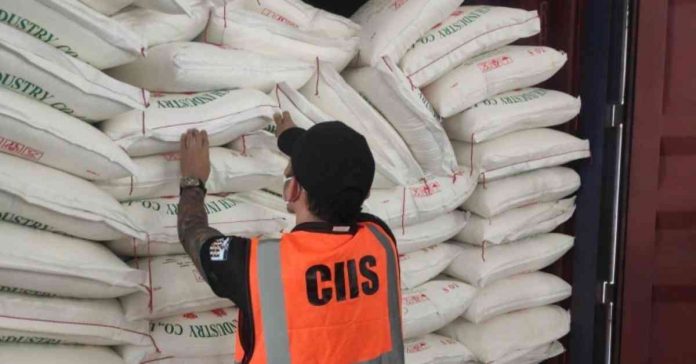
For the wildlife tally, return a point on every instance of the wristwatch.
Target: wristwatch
(189, 182)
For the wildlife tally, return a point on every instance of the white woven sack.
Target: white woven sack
(429, 233)
(543, 185)
(516, 293)
(231, 171)
(433, 305)
(37, 70)
(303, 113)
(36, 260)
(480, 267)
(57, 354)
(225, 115)
(330, 92)
(425, 264)
(263, 143)
(57, 201)
(201, 337)
(265, 198)
(505, 69)
(436, 349)
(512, 111)
(520, 152)
(516, 224)
(299, 15)
(422, 201)
(389, 28)
(386, 88)
(158, 28)
(195, 67)
(535, 355)
(68, 321)
(274, 203)
(248, 30)
(176, 287)
(259, 141)
(107, 7)
(74, 28)
(167, 6)
(467, 32)
(39, 133)
(503, 335)
(230, 216)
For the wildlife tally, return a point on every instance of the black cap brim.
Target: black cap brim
(288, 139)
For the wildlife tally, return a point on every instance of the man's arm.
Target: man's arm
(192, 224)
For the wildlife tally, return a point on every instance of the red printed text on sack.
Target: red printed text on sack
(412, 300)
(16, 148)
(277, 17)
(417, 347)
(173, 156)
(426, 189)
(494, 63)
(399, 3)
(536, 51)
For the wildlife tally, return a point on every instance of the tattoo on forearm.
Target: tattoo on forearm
(192, 224)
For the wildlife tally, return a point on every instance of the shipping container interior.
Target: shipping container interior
(583, 29)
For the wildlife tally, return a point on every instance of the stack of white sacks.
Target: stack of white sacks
(498, 124)
(145, 71)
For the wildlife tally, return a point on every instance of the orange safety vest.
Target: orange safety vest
(325, 298)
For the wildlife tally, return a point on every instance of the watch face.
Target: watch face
(190, 182)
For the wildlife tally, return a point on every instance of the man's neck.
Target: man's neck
(301, 218)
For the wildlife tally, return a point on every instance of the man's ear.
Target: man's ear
(295, 191)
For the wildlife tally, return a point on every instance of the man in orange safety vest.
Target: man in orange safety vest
(326, 292)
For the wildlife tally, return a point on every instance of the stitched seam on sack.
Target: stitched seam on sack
(296, 106)
(63, 209)
(95, 27)
(392, 167)
(392, 45)
(75, 323)
(139, 133)
(276, 29)
(505, 267)
(536, 160)
(510, 304)
(231, 222)
(470, 41)
(423, 114)
(192, 304)
(536, 194)
(530, 224)
(523, 117)
(53, 73)
(58, 270)
(158, 359)
(554, 220)
(79, 146)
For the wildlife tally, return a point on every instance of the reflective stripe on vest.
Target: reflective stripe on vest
(396, 355)
(272, 296)
(275, 323)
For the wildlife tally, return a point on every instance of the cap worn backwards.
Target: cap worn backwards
(329, 159)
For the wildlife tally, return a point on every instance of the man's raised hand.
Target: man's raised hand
(283, 122)
(195, 155)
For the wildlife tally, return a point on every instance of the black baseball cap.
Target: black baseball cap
(329, 159)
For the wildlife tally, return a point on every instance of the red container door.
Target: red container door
(659, 310)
